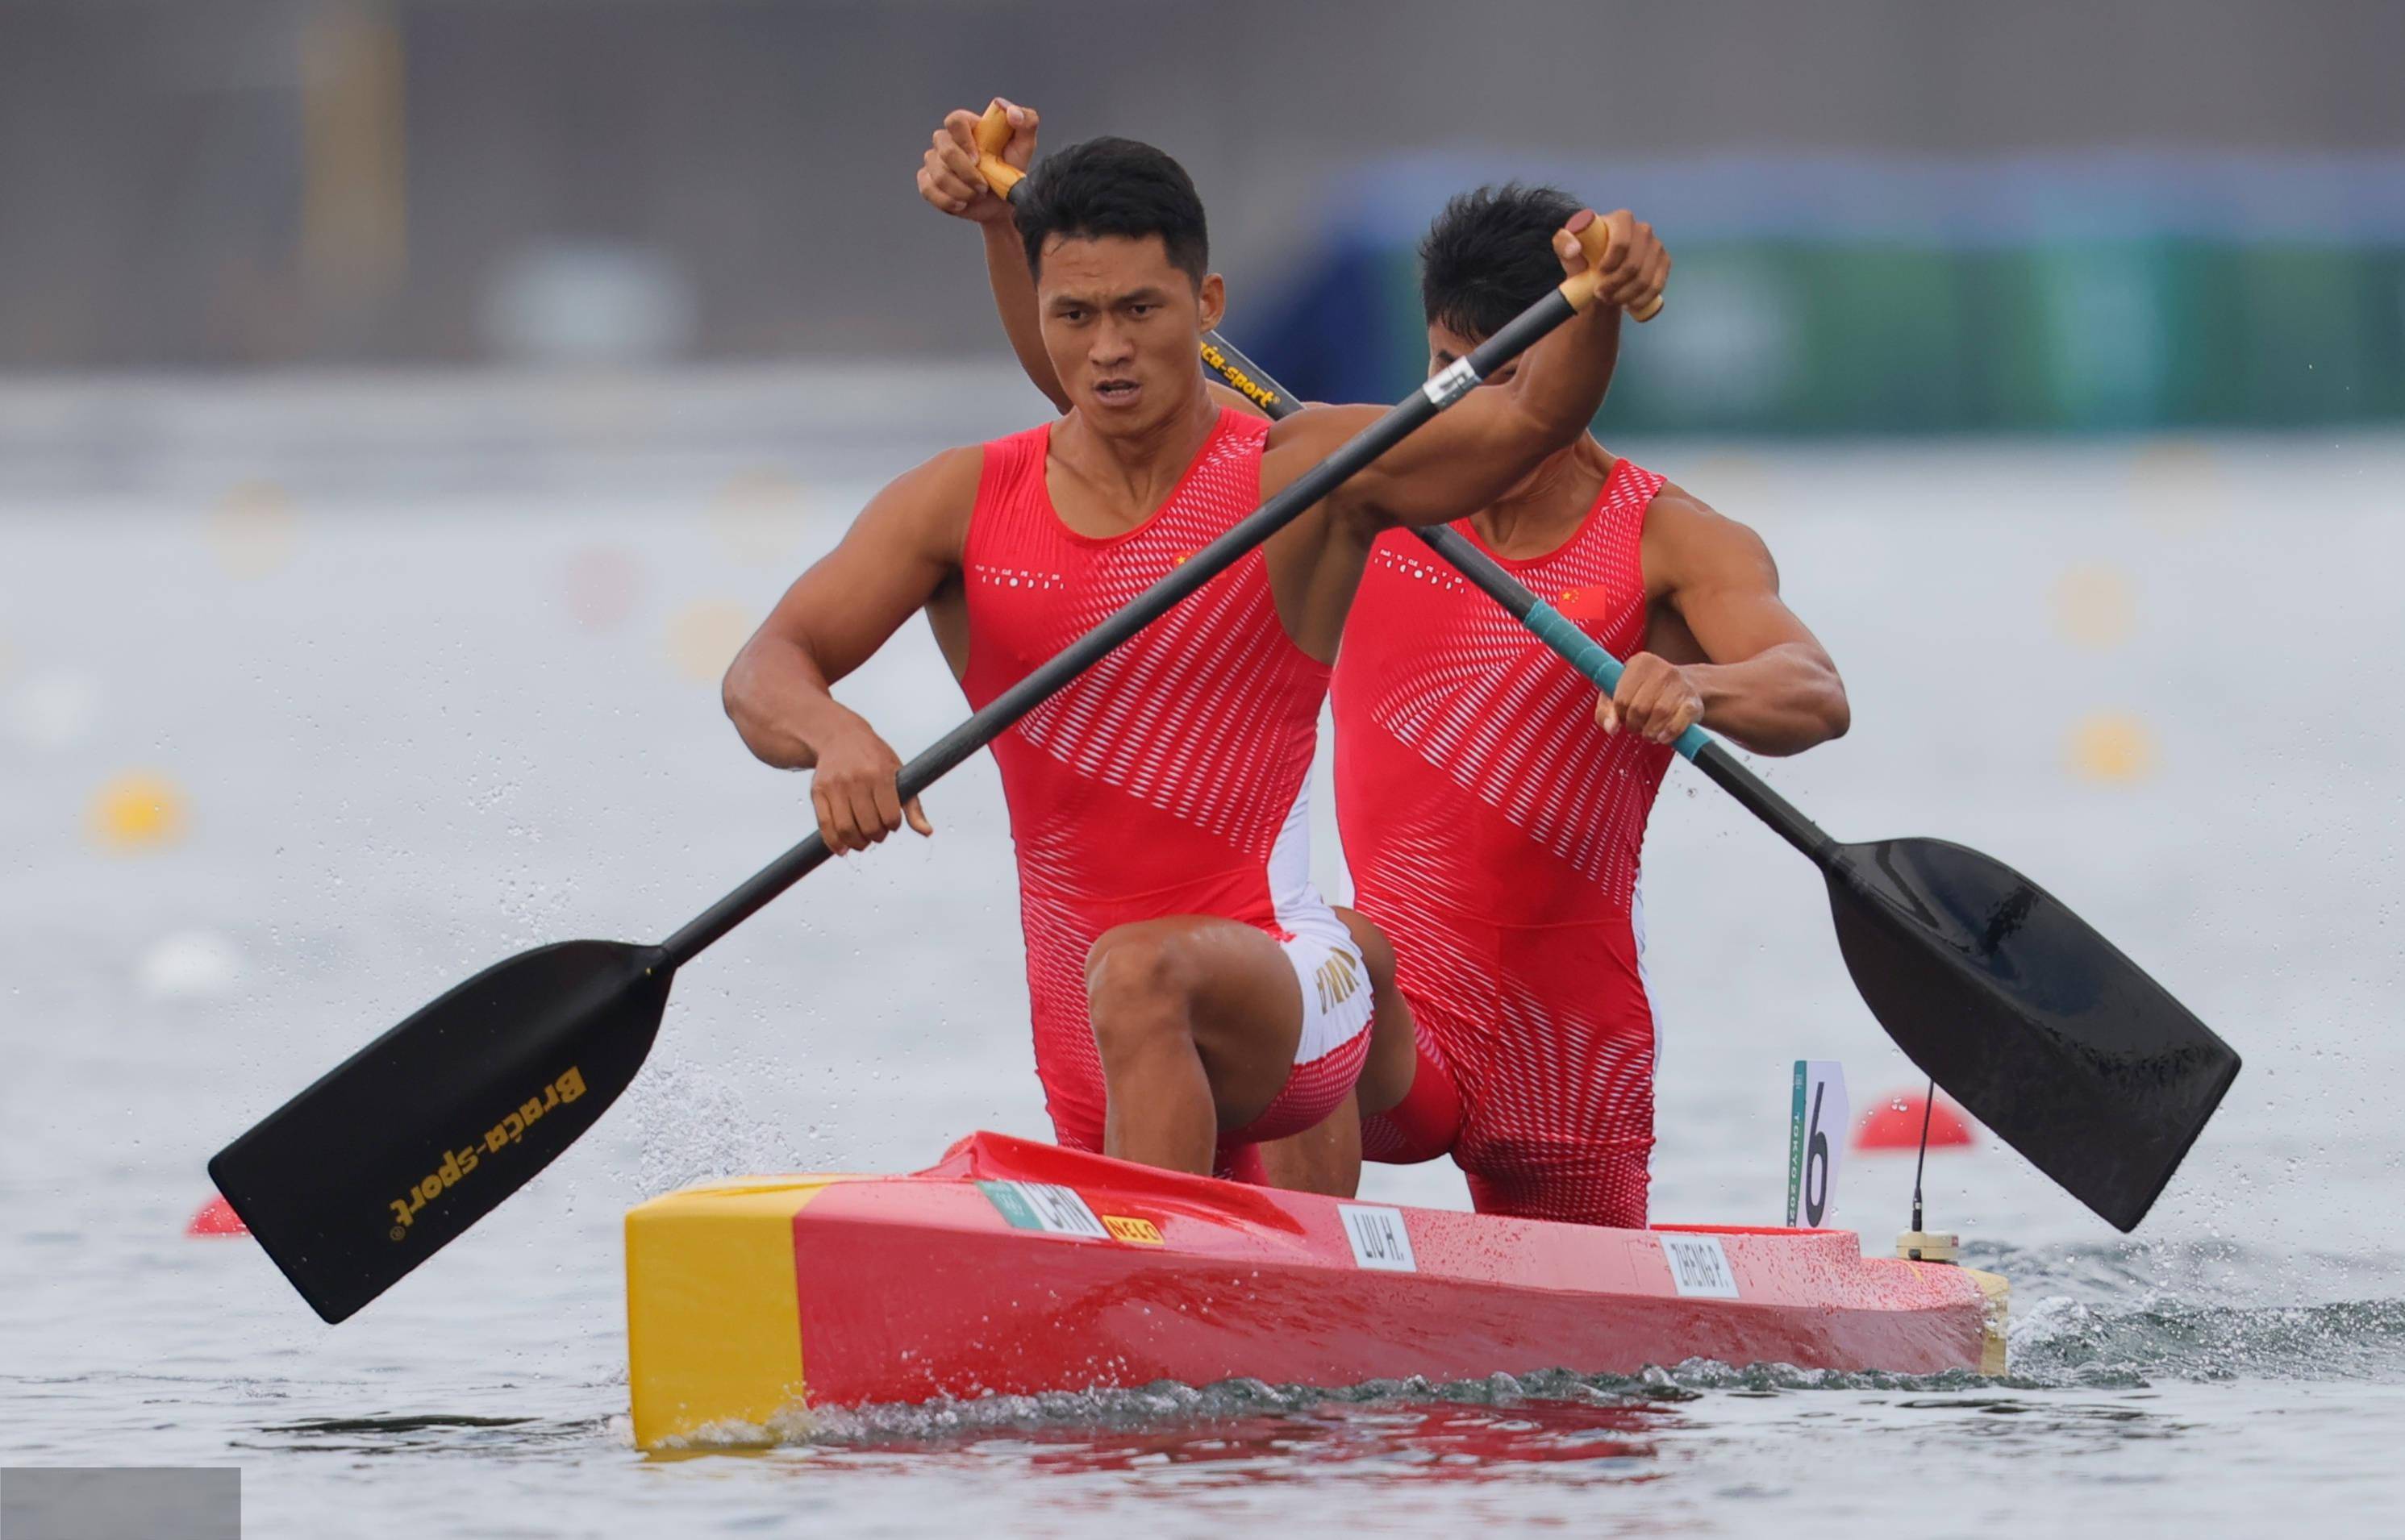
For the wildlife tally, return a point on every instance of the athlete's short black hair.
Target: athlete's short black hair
(1490, 256)
(1114, 187)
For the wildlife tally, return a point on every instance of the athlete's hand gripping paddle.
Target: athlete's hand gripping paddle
(403, 1146)
(2022, 1010)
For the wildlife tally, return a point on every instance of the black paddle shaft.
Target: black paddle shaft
(1252, 382)
(404, 1145)
(2040, 1026)
(1000, 713)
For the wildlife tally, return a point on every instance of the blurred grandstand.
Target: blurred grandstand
(1890, 216)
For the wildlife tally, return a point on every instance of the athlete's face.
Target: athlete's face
(1121, 323)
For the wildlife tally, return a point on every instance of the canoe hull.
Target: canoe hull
(1015, 1268)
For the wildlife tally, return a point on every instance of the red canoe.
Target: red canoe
(1013, 1267)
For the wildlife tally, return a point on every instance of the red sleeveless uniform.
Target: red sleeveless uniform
(1170, 778)
(1493, 830)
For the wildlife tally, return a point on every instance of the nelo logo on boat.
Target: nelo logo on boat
(499, 1137)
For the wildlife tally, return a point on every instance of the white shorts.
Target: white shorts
(1335, 1040)
(1336, 1004)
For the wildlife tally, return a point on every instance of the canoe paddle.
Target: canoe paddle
(399, 1149)
(2027, 1015)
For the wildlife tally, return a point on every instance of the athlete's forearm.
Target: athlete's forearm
(1781, 701)
(1014, 297)
(1472, 455)
(902, 550)
(777, 696)
(1562, 381)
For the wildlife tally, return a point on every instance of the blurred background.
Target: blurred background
(1890, 216)
(394, 384)
(408, 406)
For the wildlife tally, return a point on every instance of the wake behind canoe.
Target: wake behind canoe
(1013, 1267)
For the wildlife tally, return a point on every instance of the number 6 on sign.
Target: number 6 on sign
(1817, 1125)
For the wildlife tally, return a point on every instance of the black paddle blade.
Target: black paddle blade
(2031, 1020)
(423, 1131)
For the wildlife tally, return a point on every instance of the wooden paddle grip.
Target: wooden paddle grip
(1579, 289)
(993, 132)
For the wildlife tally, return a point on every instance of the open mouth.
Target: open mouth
(1116, 392)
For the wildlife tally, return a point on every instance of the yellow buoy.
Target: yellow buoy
(704, 638)
(2113, 748)
(2095, 606)
(139, 810)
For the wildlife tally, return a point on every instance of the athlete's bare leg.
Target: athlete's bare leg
(1197, 1019)
(1325, 1159)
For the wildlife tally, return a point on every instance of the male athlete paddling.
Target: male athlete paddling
(1505, 865)
(1492, 808)
(1191, 993)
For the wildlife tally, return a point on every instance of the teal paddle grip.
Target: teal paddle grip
(1588, 656)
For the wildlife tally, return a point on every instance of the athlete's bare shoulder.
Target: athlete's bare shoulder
(1689, 544)
(904, 549)
(925, 510)
(1318, 430)
(1303, 439)
(946, 477)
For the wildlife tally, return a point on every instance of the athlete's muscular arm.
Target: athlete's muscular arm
(904, 547)
(948, 181)
(1486, 444)
(1762, 680)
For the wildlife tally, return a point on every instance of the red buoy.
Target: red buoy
(1893, 1123)
(216, 1217)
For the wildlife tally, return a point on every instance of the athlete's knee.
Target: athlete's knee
(1140, 962)
(1139, 987)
